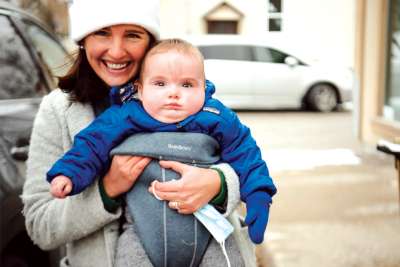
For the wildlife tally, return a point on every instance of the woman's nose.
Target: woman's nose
(117, 48)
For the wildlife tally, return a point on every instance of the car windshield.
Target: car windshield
(15, 62)
(51, 52)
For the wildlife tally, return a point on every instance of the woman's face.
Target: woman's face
(115, 53)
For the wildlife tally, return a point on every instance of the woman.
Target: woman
(113, 38)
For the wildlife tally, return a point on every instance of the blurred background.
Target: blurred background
(318, 83)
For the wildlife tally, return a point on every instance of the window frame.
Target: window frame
(389, 109)
(275, 16)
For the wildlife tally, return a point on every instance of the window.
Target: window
(392, 100)
(262, 54)
(223, 19)
(49, 50)
(18, 74)
(227, 52)
(265, 54)
(275, 15)
(222, 27)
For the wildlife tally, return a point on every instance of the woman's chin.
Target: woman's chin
(115, 78)
(116, 81)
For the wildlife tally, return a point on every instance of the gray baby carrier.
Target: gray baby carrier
(169, 238)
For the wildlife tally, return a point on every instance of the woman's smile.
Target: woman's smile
(116, 66)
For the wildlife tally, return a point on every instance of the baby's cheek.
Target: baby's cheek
(152, 108)
(197, 105)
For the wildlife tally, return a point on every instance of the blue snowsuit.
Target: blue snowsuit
(89, 157)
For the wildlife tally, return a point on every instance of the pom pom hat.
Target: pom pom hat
(88, 16)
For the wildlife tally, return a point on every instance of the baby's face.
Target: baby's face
(172, 86)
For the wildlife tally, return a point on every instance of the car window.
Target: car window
(18, 74)
(262, 54)
(277, 56)
(227, 52)
(266, 54)
(51, 52)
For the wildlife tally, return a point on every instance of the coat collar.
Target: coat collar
(78, 117)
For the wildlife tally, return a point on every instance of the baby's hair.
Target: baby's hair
(174, 44)
(171, 44)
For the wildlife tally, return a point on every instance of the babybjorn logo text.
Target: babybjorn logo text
(179, 147)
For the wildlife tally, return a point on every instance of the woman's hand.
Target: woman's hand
(196, 187)
(123, 173)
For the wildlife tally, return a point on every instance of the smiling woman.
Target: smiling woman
(113, 42)
(115, 52)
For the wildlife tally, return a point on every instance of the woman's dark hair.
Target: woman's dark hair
(82, 83)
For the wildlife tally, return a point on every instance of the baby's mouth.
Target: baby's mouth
(173, 106)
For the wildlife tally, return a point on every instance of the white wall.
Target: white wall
(322, 30)
(186, 16)
(315, 29)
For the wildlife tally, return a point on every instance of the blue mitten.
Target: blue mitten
(257, 205)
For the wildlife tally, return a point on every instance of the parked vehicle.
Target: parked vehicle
(257, 74)
(30, 56)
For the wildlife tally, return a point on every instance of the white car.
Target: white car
(256, 75)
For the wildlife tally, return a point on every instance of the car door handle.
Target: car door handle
(19, 153)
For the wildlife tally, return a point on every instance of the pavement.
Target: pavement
(338, 199)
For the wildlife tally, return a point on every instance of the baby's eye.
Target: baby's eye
(159, 83)
(187, 85)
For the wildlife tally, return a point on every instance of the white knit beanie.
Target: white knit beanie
(87, 16)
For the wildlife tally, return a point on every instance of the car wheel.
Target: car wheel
(322, 97)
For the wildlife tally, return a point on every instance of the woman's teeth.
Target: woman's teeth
(116, 66)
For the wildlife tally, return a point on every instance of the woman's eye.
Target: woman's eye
(159, 83)
(101, 33)
(133, 35)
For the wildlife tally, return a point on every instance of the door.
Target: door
(278, 83)
(227, 66)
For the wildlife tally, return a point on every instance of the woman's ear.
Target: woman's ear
(138, 86)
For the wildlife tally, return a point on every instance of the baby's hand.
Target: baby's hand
(60, 186)
(257, 205)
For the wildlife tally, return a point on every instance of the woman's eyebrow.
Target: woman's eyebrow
(138, 31)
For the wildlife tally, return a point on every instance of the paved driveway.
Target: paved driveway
(337, 202)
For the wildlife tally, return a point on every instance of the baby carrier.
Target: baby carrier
(169, 238)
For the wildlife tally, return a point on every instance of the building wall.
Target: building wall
(181, 17)
(324, 30)
(317, 32)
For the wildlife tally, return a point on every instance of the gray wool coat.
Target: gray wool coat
(80, 222)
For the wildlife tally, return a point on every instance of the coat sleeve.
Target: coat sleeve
(232, 183)
(239, 149)
(54, 222)
(89, 156)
